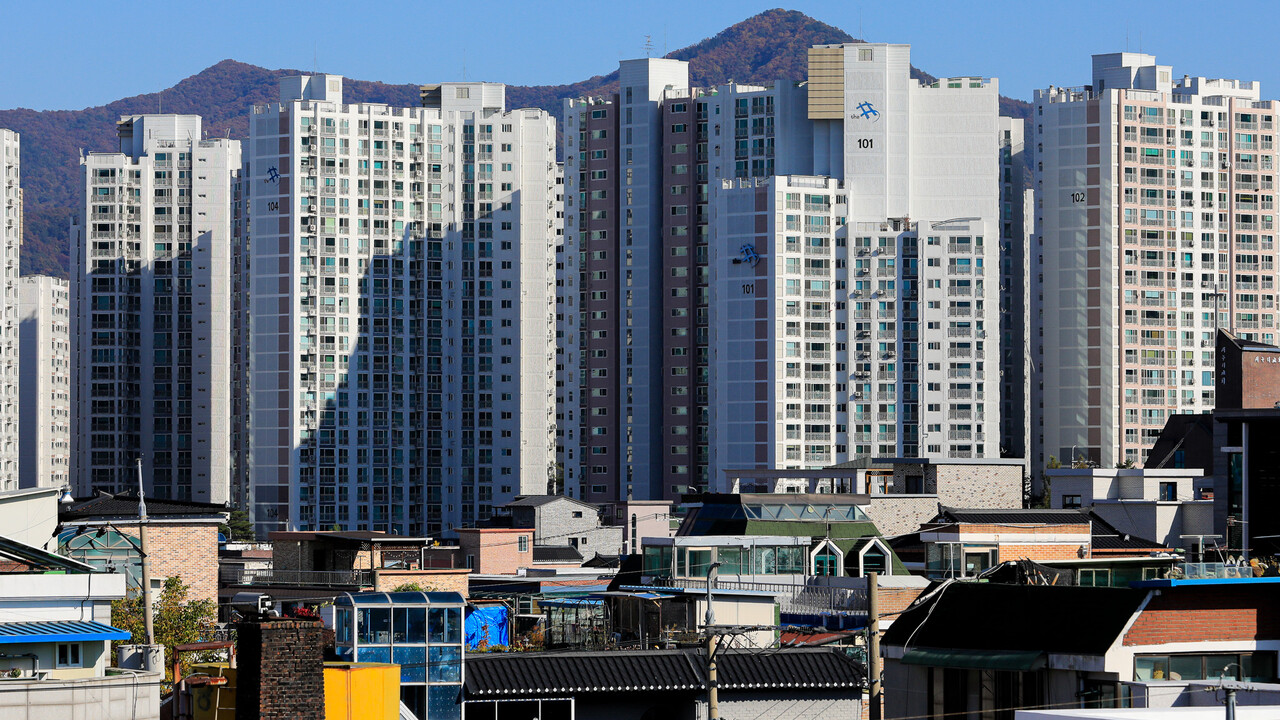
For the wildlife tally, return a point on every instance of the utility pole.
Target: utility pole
(146, 561)
(1231, 703)
(873, 643)
(713, 640)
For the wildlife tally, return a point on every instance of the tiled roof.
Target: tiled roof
(126, 505)
(541, 674)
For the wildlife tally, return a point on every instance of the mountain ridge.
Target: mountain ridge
(772, 45)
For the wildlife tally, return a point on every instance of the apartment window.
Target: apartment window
(1070, 501)
(1168, 491)
(69, 655)
(522, 544)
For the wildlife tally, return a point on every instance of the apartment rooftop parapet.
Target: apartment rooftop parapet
(308, 105)
(1056, 94)
(963, 82)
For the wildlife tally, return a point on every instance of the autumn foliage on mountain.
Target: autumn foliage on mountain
(770, 46)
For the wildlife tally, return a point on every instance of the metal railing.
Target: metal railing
(270, 576)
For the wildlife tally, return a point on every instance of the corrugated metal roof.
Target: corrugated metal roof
(59, 631)
(542, 674)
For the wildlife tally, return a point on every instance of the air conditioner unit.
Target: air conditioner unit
(311, 228)
(311, 172)
(312, 208)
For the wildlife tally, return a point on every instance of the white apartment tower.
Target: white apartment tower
(44, 321)
(402, 341)
(1155, 225)
(152, 309)
(851, 309)
(10, 244)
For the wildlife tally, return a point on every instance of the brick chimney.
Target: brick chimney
(281, 670)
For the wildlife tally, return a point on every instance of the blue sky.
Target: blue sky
(69, 55)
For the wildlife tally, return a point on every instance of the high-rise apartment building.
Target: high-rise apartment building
(44, 321)
(152, 306)
(10, 244)
(1155, 226)
(1015, 289)
(889, 146)
(634, 420)
(402, 307)
(854, 312)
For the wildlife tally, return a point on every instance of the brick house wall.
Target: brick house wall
(442, 580)
(187, 550)
(495, 550)
(1202, 614)
(280, 670)
(894, 600)
(554, 523)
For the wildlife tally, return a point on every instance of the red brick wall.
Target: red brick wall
(444, 580)
(1039, 552)
(281, 670)
(187, 551)
(895, 600)
(495, 551)
(1202, 614)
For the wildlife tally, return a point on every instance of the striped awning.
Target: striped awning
(59, 631)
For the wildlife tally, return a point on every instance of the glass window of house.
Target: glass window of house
(374, 626)
(445, 625)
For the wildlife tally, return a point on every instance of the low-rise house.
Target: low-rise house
(812, 551)
(965, 542)
(55, 641)
(641, 685)
(988, 648)
(901, 493)
(557, 520)
(314, 565)
(496, 551)
(182, 539)
(1172, 506)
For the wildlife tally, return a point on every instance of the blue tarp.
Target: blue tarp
(486, 624)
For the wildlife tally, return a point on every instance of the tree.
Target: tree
(238, 528)
(1054, 463)
(411, 587)
(176, 621)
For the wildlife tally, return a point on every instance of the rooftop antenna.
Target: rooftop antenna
(315, 59)
(464, 64)
(648, 45)
(861, 35)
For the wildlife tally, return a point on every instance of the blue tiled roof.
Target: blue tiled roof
(59, 631)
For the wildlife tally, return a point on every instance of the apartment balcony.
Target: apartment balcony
(296, 578)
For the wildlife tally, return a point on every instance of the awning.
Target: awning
(59, 631)
(1016, 660)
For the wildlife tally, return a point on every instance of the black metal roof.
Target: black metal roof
(684, 670)
(1107, 537)
(556, 553)
(125, 505)
(993, 616)
(1015, 516)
